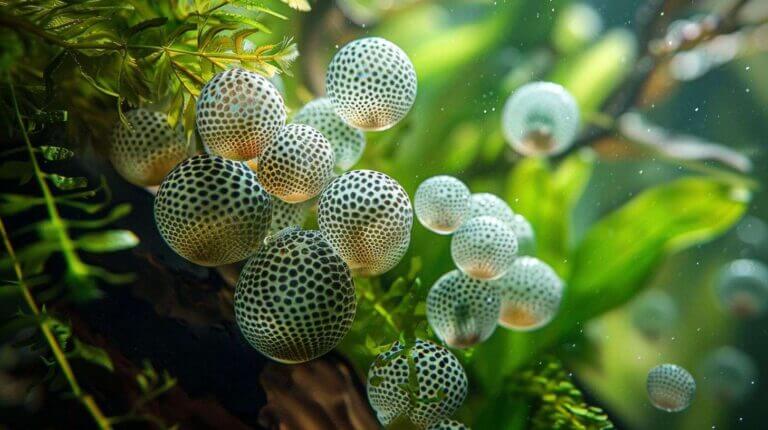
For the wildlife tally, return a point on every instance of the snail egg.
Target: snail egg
(367, 217)
(297, 164)
(371, 83)
(743, 288)
(463, 311)
(448, 425)
(526, 238)
(441, 203)
(487, 204)
(729, 374)
(530, 294)
(212, 211)
(484, 248)
(442, 384)
(286, 215)
(540, 118)
(295, 299)
(238, 113)
(348, 143)
(654, 314)
(670, 387)
(147, 150)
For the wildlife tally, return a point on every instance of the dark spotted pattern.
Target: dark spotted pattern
(238, 112)
(484, 247)
(371, 83)
(367, 217)
(147, 150)
(448, 425)
(439, 376)
(463, 311)
(442, 203)
(348, 143)
(670, 387)
(295, 299)
(297, 164)
(212, 211)
(288, 214)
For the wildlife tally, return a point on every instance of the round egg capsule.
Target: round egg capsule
(348, 143)
(670, 387)
(286, 215)
(146, 150)
(743, 288)
(442, 384)
(484, 248)
(729, 374)
(448, 425)
(371, 83)
(441, 203)
(463, 311)
(530, 294)
(540, 118)
(212, 211)
(526, 238)
(238, 113)
(295, 299)
(297, 164)
(367, 217)
(654, 314)
(487, 204)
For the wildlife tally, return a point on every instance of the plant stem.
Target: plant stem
(86, 399)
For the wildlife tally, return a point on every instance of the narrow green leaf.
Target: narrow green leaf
(145, 25)
(116, 213)
(107, 241)
(91, 354)
(55, 153)
(67, 183)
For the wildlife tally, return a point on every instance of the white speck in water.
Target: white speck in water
(747, 68)
(696, 110)
(640, 171)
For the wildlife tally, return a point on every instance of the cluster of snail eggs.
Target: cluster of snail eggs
(371, 83)
(448, 425)
(286, 215)
(531, 293)
(441, 203)
(367, 217)
(212, 211)
(743, 288)
(348, 143)
(670, 387)
(463, 311)
(729, 374)
(295, 299)
(239, 113)
(442, 384)
(484, 247)
(297, 164)
(654, 314)
(540, 118)
(147, 148)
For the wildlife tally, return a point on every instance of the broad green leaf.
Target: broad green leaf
(616, 258)
(107, 241)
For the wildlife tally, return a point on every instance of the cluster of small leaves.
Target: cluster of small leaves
(557, 403)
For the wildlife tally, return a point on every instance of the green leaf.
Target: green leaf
(67, 183)
(145, 25)
(107, 241)
(615, 260)
(91, 354)
(302, 5)
(11, 204)
(116, 213)
(55, 153)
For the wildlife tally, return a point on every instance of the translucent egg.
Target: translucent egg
(729, 374)
(463, 311)
(530, 294)
(540, 118)
(371, 83)
(487, 204)
(484, 248)
(286, 215)
(654, 314)
(743, 288)
(670, 387)
(442, 384)
(441, 203)
(348, 143)
(526, 238)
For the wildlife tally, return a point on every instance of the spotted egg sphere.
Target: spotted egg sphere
(441, 203)
(654, 314)
(530, 294)
(526, 237)
(484, 248)
(487, 204)
(540, 118)
(670, 387)
(238, 113)
(463, 311)
(212, 211)
(297, 164)
(367, 217)
(348, 143)
(295, 299)
(371, 83)
(286, 215)
(742, 288)
(442, 384)
(448, 425)
(147, 148)
(729, 374)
